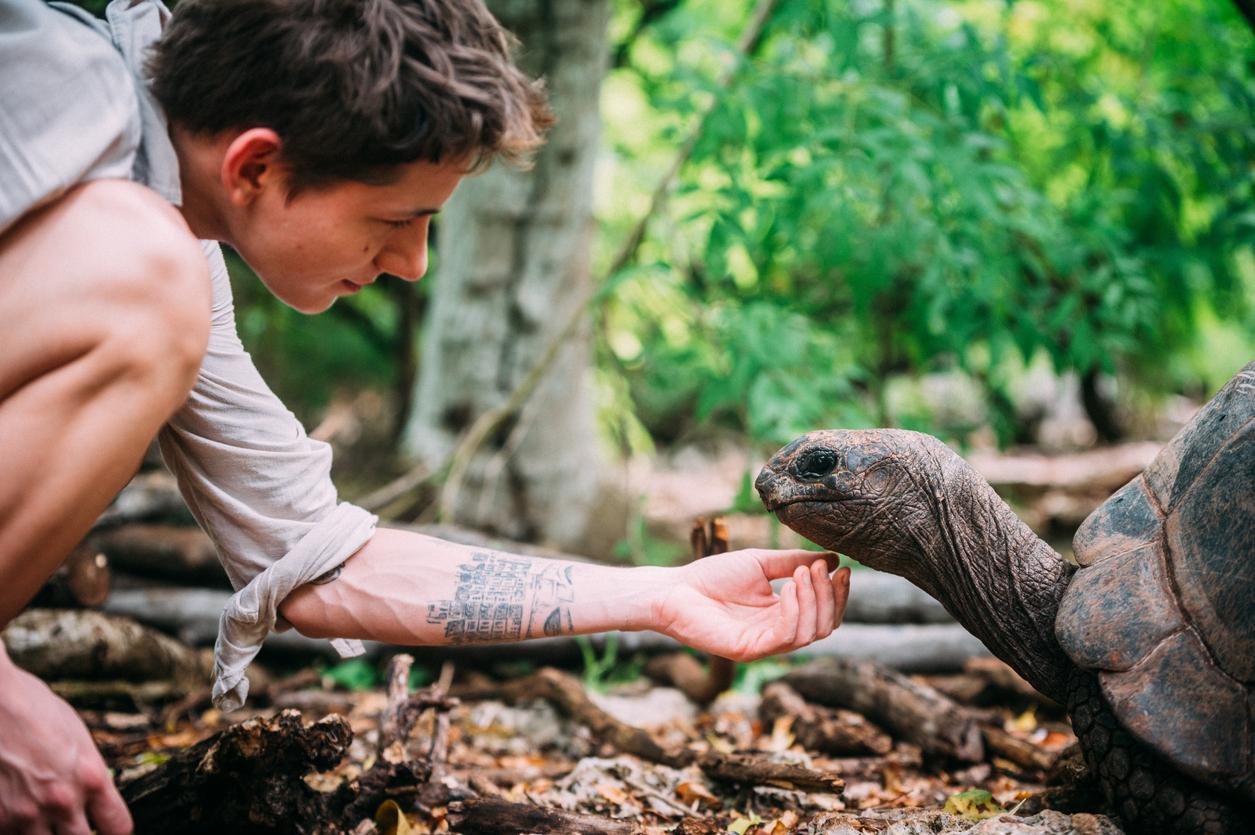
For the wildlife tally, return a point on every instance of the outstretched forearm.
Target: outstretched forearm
(406, 588)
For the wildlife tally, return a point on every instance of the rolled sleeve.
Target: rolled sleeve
(261, 488)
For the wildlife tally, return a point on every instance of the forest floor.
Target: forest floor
(636, 757)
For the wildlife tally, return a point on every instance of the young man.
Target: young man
(317, 138)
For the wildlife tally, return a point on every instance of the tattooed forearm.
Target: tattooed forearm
(552, 593)
(495, 593)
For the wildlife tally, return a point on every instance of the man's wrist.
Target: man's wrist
(652, 586)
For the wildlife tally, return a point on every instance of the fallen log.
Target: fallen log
(826, 730)
(493, 816)
(878, 597)
(567, 694)
(246, 778)
(1101, 470)
(149, 497)
(1024, 754)
(754, 770)
(82, 581)
(1006, 680)
(192, 615)
(167, 552)
(908, 709)
(86, 645)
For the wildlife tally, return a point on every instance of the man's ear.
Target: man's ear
(251, 164)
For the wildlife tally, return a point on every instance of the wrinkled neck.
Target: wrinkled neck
(996, 577)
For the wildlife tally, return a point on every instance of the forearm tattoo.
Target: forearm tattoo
(495, 594)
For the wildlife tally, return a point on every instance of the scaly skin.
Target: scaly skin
(905, 503)
(1146, 793)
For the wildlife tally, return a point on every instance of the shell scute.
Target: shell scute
(1177, 702)
(1211, 547)
(1127, 520)
(1118, 610)
(1186, 455)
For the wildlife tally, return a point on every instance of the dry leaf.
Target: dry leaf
(781, 733)
(1025, 723)
(973, 804)
(742, 825)
(892, 780)
(391, 820)
(695, 792)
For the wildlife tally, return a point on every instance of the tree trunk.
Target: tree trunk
(514, 257)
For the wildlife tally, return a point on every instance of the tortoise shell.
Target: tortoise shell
(1163, 606)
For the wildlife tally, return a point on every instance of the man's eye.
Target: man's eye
(399, 224)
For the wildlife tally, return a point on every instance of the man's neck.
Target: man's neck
(200, 160)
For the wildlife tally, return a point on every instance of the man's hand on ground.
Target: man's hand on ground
(724, 604)
(52, 778)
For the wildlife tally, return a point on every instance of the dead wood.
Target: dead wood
(1024, 754)
(493, 816)
(756, 770)
(567, 694)
(878, 597)
(168, 552)
(247, 778)
(82, 581)
(826, 730)
(1101, 470)
(915, 648)
(1006, 681)
(150, 497)
(910, 710)
(82, 644)
(126, 695)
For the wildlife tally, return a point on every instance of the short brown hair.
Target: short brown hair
(352, 87)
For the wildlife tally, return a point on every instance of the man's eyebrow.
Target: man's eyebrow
(420, 212)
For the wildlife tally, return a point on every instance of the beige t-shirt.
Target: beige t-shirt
(253, 479)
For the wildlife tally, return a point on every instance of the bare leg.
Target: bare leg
(104, 316)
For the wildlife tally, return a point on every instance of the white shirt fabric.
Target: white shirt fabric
(258, 485)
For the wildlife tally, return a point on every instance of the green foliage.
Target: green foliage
(355, 674)
(640, 547)
(905, 187)
(605, 670)
(751, 677)
(307, 359)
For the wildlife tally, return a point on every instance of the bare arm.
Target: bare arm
(406, 588)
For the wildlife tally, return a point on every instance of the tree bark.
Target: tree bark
(514, 259)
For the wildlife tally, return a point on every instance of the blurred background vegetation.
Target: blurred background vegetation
(889, 189)
(944, 215)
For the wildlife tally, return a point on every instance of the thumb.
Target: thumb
(779, 564)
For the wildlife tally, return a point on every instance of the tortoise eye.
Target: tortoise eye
(816, 464)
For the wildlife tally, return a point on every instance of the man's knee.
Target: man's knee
(153, 278)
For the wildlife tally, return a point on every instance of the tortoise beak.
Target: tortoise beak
(768, 486)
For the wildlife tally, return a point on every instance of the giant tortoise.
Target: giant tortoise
(1150, 643)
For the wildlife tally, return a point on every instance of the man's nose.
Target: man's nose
(405, 256)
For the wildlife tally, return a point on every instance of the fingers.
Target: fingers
(107, 811)
(808, 605)
(789, 608)
(778, 564)
(75, 825)
(841, 594)
(825, 599)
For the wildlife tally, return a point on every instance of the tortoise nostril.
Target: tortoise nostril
(816, 464)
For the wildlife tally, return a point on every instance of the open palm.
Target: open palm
(725, 605)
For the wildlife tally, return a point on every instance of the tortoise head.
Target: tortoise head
(866, 493)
